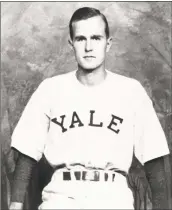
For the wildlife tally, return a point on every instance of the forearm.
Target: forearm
(156, 177)
(21, 179)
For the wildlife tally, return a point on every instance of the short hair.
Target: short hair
(85, 13)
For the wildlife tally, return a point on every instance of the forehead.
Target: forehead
(90, 26)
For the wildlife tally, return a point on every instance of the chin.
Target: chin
(89, 67)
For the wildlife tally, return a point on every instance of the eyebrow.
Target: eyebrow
(92, 36)
(96, 36)
(79, 37)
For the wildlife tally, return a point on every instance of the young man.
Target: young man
(87, 123)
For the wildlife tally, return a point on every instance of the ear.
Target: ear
(109, 44)
(70, 43)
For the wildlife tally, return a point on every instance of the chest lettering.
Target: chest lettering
(114, 122)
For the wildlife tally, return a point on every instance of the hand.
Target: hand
(16, 206)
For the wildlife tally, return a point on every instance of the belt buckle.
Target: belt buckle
(90, 175)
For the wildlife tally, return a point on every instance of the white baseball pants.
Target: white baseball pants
(78, 194)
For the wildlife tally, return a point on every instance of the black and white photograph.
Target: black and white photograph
(86, 105)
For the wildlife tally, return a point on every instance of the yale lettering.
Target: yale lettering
(115, 121)
(75, 119)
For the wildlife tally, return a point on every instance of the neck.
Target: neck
(91, 77)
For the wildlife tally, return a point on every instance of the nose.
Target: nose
(88, 46)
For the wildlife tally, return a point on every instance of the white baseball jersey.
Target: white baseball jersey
(95, 126)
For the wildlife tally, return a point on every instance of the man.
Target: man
(87, 123)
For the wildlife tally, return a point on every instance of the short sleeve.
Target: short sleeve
(30, 134)
(149, 138)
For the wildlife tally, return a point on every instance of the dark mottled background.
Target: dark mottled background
(34, 46)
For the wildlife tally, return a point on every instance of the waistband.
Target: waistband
(89, 175)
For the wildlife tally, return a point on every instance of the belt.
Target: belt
(88, 176)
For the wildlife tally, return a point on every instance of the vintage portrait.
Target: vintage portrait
(86, 117)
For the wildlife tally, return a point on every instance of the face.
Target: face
(90, 43)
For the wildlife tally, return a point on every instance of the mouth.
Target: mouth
(89, 58)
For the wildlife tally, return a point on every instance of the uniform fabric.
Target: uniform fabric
(96, 127)
(77, 194)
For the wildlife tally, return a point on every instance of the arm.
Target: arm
(22, 176)
(150, 146)
(155, 173)
(29, 137)
(139, 185)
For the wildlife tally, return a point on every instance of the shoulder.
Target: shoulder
(59, 78)
(57, 81)
(53, 85)
(124, 81)
(129, 87)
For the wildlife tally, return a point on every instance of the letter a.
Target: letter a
(77, 120)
